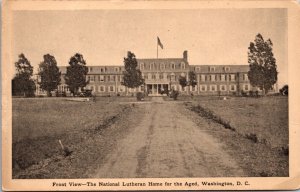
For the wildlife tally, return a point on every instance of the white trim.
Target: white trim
(203, 88)
(232, 86)
(213, 86)
(99, 88)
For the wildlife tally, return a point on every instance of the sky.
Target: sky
(211, 36)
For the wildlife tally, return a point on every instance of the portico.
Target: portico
(156, 89)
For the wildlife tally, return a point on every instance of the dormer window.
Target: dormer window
(227, 68)
(212, 69)
(197, 68)
(116, 69)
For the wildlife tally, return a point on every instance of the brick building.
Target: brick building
(163, 74)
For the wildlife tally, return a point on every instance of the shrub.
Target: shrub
(252, 137)
(174, 94)
(251, 93)
(140, 96)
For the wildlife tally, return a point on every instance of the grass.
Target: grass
(258, 133)
(265, 117)
(39, 123)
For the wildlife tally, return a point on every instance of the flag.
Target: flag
(159, 43)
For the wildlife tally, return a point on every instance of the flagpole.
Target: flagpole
(157, 49)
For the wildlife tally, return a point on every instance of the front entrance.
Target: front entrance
(157, 89)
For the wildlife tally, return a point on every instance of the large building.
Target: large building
(163, 74)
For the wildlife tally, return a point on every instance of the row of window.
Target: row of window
(202, 88)
(104, 69)
(162, 66)
(172, 77)
(212, 69)
(222, 77)
(111, 88)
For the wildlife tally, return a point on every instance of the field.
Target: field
(254, 130)
(266, 117)
(39, 123)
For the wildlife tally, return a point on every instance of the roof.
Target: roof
(117, 69)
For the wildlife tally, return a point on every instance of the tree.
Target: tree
(192, 79)
(132, 77)
(76, 73)
(22, 83)
(183, 81)
(263, 69)
(49, 74)
(284, 90)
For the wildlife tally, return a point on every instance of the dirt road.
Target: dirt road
(167, 144)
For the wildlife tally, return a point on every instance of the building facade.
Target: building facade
(163, 74)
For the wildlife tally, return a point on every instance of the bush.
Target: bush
(252, 137)
(140, 96)
(174, 94)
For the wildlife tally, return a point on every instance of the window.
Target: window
(131, 90)
(92, 78)
(232, 77)
(153, 76)
(226, 68)
(212, 68)
(112, 78)
(182, 65)
(149, 76)
(101, 78)
(222, 88)
(203, 88)
(108, 78)
(246, 87)
(161, 76)
(157, 76)
(142, 66)
(197, 69)
(213, 88)
(232, 87)
(101, 88)
(101, 70)
(116, 69)
(152, 66)
(111, 88)
(246, 77)
(193, 88)
(165, 76)
(121, 88)
(222, 77)
(172, 77)
(162, 66)
(173, 65)
(90, 69)
(92, 87)
(212, 77)
(202, 77)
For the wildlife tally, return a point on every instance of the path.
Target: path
(167, 144)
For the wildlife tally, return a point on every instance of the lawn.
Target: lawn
(39, 124)
(265, 153)
(51, 116)
(267, 117)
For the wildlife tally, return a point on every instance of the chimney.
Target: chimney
(185, 55)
